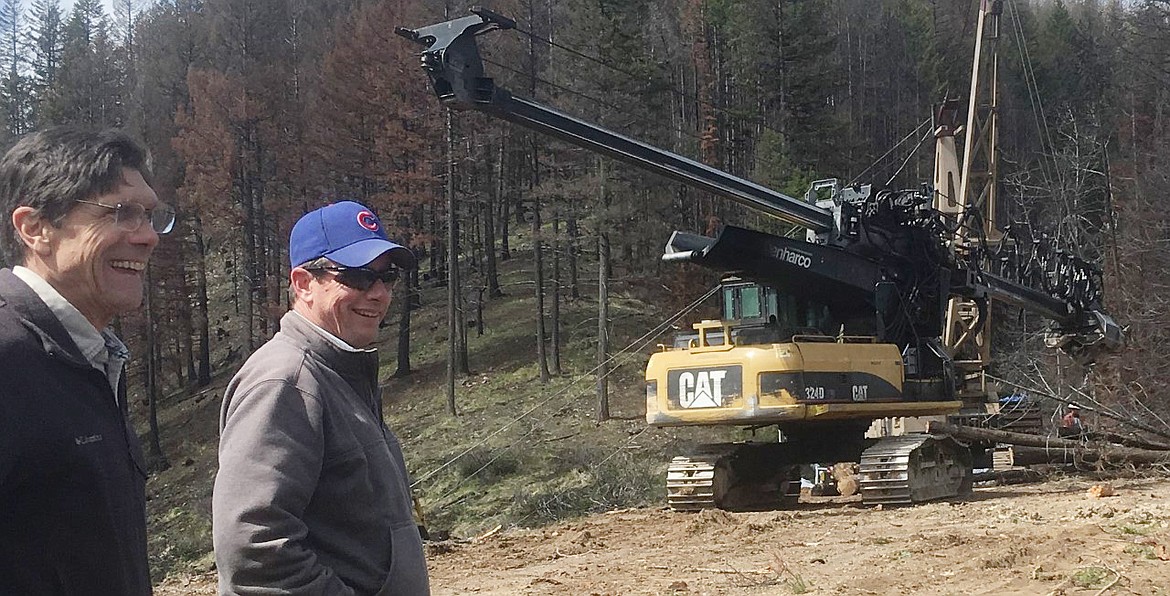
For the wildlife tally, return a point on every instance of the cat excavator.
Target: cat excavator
(881, 310)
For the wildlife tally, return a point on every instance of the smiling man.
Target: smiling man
(84, 222)
(312, 494)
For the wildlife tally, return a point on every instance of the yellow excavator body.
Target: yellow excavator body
(806, 380)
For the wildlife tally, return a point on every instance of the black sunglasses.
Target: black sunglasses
(359, 278)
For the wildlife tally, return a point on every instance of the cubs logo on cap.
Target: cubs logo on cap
(368, 221)
(347, 233)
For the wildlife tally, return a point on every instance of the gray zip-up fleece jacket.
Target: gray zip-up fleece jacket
(312, 494)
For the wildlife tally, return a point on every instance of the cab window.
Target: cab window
(743, 302)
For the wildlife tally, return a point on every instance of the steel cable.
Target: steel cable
(635, 345)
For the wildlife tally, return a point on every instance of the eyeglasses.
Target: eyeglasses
(129, 216)
(360, 278)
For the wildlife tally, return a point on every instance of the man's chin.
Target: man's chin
(365, 342)
(127, 302)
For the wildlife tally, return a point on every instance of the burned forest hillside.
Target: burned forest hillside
(546, 259)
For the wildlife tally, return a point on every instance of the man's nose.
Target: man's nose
(145, 234)
(381, 289)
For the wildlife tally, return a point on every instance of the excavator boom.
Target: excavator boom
(453, 63)
(452, 60)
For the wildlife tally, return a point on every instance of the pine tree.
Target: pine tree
(89, 87)
(15, 88)
(46, 36)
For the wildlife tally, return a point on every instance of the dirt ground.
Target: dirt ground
(1051, 538)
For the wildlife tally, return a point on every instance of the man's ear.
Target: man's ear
(33, 229)
(300, 280)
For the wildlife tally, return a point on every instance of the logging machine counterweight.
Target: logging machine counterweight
(864, 319)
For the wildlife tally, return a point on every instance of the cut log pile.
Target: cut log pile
(1028, 449)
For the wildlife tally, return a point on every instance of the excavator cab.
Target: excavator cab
(758, 314)
(767, 315)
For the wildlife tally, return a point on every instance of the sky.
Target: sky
(67, 6)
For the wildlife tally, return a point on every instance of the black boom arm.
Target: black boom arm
(874, 239)
(452, 61)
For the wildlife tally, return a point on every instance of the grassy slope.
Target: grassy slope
(518, 453)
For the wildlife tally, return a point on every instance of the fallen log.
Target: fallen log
(845, 473)
(1023, 455)
(1002, 477)
(1082, 452)
(1128, 440)
(975, 433)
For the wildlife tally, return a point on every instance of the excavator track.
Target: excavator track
(742, 477)
(690, 483)
(913, 469)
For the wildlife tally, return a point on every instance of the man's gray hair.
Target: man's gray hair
(316, 263)
(50, 170)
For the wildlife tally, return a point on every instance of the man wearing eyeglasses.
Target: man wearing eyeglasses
(84, 222)
(312, 494)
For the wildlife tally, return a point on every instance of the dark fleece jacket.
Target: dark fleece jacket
(72, 498)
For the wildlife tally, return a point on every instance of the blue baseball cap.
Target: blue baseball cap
(347, 233)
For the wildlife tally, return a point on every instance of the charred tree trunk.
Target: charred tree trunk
(505, 250)
(534, 181)
(555, 308)
(203, 322)
(574, 239)
(602, 301)
(491, 275)
(276, 297)
(158, 460)
(505, 209)
(453, 313)
(249, 268)
(538, 265)
(405, 306)
(182, 304)
(436, 245)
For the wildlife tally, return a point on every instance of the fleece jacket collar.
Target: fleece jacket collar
(359, 368)
(37, 317)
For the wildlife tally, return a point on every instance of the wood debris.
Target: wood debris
(1098, 491)
(488, 534)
